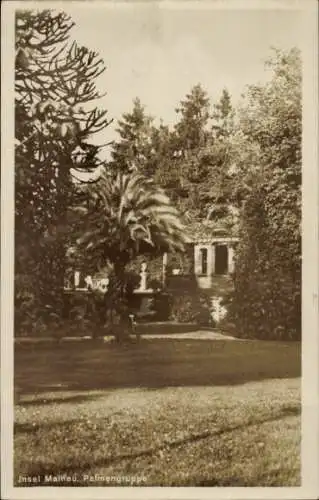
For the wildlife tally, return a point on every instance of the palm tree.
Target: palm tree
(125, 216)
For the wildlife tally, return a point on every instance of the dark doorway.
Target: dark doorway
(221, 259)
(204, 261)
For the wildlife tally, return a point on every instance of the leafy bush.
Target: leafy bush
(25, 310)
(162, 306)
(266, 302)
(97, 313)
(191, 307)
(267, 299)
(31, 315)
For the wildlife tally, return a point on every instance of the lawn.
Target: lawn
(164, 412)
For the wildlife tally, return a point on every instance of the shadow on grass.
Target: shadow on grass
(152, 364)
(268, 479)
(230, 481)
(73, 399)
(85, 465)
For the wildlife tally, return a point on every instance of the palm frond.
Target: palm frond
(127, 213)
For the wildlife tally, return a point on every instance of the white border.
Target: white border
(310, 347)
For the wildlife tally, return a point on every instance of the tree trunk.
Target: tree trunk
(119, 299)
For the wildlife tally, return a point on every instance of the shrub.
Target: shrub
(267, 298)
(32, 317)
(190, 307)
(162, 306)
(25, 306)
(266, 302)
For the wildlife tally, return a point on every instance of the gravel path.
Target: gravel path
(195, 335)
(199, 335)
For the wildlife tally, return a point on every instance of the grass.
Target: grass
(165, 412)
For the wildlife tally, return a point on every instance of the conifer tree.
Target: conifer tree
(54, 86)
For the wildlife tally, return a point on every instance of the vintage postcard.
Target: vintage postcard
(160, 249)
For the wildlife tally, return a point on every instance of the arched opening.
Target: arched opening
(221, 259)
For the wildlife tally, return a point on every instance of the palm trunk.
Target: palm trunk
(116, 302)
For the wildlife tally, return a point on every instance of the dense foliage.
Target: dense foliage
(216, 163)
(54, 84)
(132, 152)
(267, 299)
(220, 163)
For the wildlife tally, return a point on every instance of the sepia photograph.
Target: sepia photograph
(158, 260)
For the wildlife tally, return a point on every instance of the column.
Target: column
(231, 264)
(210, 260)
(164, 269)
(213, 258)
(197, 260)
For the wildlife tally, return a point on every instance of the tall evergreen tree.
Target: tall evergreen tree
(132, 150)
(187, 141)
(54, 84)
(192, 127)
(202, 138)
(218, 188)
(223, 115)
